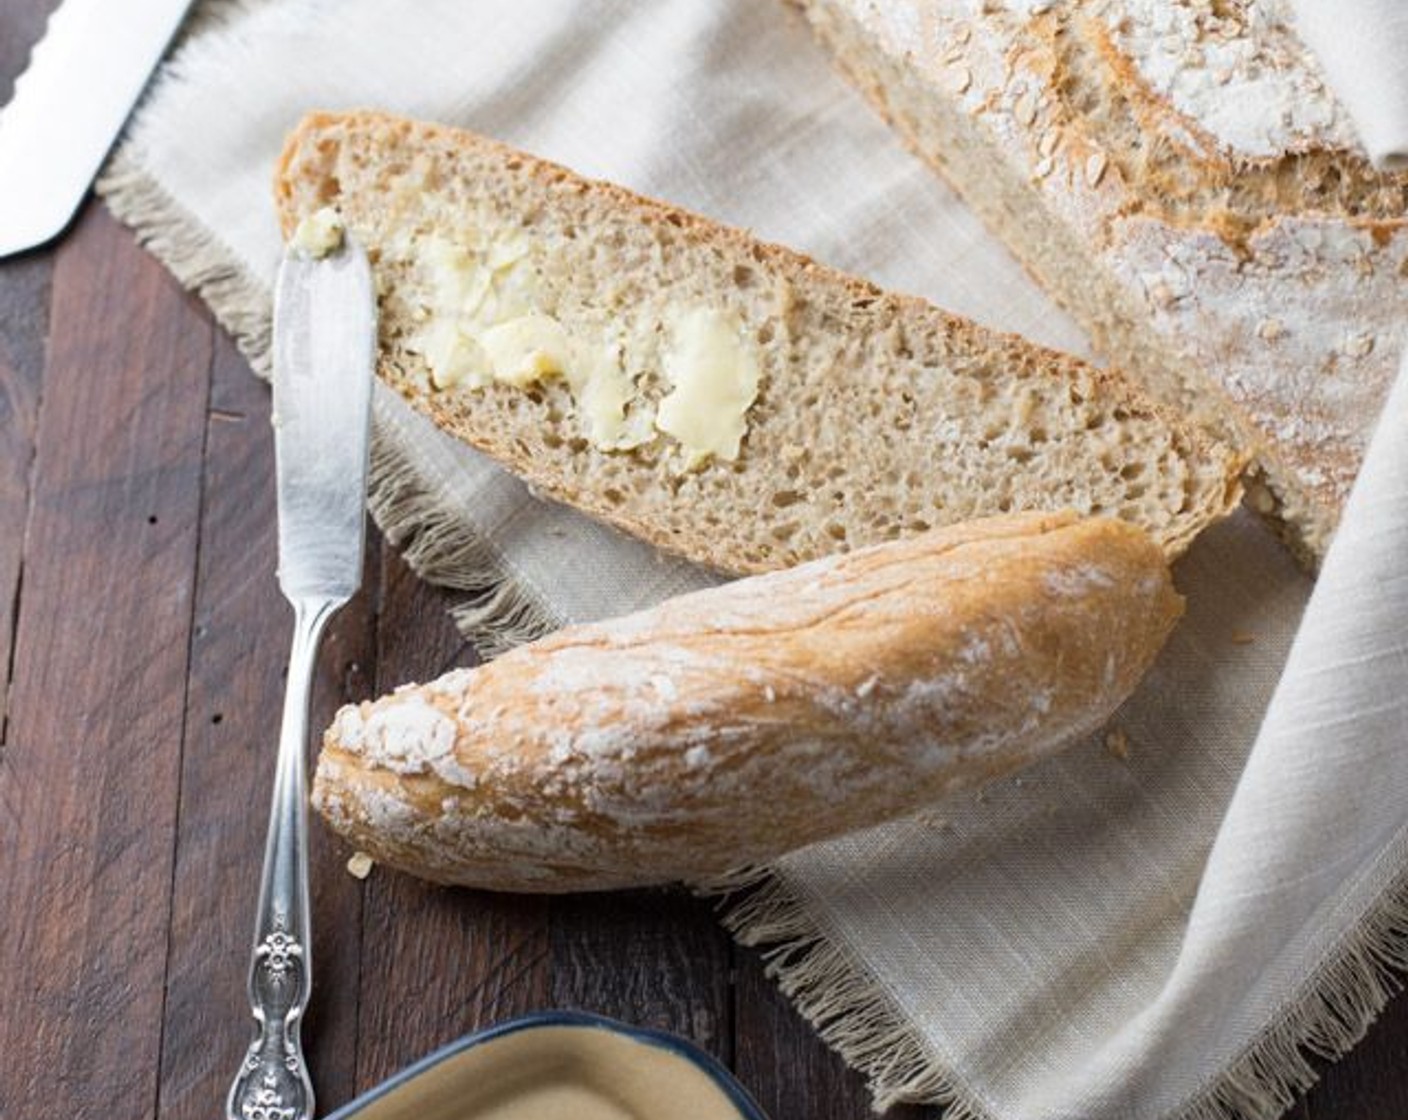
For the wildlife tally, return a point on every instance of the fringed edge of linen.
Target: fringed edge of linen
(1334, 1010)
(489, 607)
(198, 259)
(855, 1017)
(836, 994)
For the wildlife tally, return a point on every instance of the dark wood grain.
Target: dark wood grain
(24, 324)
(238, 668)
(1371, 1080)
(653, 958)
(24, 320)
(231, 716)
(437, 963)
(780, 1060)
(89, 773)
(21, 24)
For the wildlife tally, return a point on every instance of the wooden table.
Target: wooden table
(145, 642)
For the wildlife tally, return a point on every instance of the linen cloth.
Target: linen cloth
(1362, 45)
(1151, 926)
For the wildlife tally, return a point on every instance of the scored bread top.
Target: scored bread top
(1180, 178)
(876, 415)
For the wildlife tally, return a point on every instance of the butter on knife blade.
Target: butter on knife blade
(324, 353)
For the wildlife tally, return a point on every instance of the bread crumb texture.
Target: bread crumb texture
(735, 724)
(725, 399)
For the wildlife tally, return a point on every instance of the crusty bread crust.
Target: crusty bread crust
(734, 724)
(1260, 292)
(832, 459)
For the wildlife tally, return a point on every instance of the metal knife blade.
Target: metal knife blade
(83, 78)
(324, 356)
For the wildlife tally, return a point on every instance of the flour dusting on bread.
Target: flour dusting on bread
(1180, 177)
(733, 724)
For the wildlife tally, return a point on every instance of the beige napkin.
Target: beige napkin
(1149, 927)
(1362, 45)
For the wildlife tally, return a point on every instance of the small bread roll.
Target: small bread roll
(732, 725)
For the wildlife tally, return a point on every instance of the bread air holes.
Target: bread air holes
(784, 498)
(744, 276)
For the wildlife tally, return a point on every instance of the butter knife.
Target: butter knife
(324, 352)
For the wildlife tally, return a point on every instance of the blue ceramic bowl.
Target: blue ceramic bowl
(560, 1065)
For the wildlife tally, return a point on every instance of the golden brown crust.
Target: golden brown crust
(732, 725)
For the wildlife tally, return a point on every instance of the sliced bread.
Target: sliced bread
(725, 399)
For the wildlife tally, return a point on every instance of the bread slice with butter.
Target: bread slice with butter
(725, 399)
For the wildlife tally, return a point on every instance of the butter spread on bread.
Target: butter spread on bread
(729, 726)
(727, 400)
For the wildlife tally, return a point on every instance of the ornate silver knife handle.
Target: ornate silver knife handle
(273, 1081)
(324, 354)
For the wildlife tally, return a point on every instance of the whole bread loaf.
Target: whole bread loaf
(1179, 177)
(734, 724)
(725, 399)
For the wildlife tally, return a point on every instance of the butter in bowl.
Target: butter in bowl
(560, 1065)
